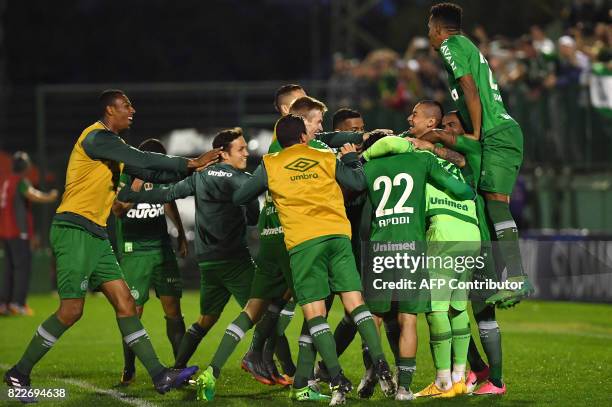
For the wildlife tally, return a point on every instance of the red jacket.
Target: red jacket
(9, 198)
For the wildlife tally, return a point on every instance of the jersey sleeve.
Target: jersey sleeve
(349, 172)
(336, 139)
(108, 146)
(388, 145)
(179, 190)
(466, 145)
(252, 188)
(441, 179)
(455, 57)
(23, 186)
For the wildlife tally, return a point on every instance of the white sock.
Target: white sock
(443, 379)
(458, 373)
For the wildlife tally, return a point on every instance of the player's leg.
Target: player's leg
(282, 349)
(76, 253)
(213, 297)
(502, 156)
(137, 270)
(490, 338)
(168, 284)
(407, 354)
(22, 269)
(6, 291)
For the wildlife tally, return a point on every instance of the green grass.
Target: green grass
(555, 353)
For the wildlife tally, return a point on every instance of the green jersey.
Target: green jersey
(396, 190)
(461, 57)
(144, 226)
(438, 202)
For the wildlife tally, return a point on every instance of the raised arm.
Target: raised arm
(388, 145)
(442, 152)
(336, 139)
(252, 188)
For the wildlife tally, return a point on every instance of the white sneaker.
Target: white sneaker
(403, 394)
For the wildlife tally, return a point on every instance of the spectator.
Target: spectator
(16, 230)
(573, 65)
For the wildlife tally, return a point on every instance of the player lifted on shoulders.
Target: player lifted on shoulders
(476, 95)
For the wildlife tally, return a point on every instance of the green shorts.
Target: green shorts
(220, 279)
(454, 242)
(273, 274)
(322, 266)
(502, 156)
(82, 260)
(155, 269)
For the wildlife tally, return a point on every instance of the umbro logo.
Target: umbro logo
(301, 165)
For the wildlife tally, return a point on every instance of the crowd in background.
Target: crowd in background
(535, 63)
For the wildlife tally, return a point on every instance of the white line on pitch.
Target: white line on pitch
(107, 392)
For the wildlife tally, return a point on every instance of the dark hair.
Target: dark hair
(342, 115)
(301, 106)
(374, 137)
(107, 98)
(459, 117)
(289, 129)
(225, 137)
(433, 104)
(282, 91)
(153, 145)
(448, 14)
(21, 161)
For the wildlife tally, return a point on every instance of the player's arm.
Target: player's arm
(442, 152)
(173, 214)
(159, 168)
(472, 100)
(440, 136)
(251, 208)
(336, 139)
(34, 195)
(251, 189)
(388, 145)
(181, 189)
(365, 224)
(349, 171)
(441, 179)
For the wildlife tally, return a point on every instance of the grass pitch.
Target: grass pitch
(555, 353)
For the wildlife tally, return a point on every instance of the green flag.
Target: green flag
(601, 89)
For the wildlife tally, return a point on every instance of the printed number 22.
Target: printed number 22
(388, 185)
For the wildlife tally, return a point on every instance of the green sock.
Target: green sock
(305, 359)
(406, 367)
(367, 329)
(460, 327)
(393, 334)
(490, 337)
(129, 358)
(440, 339)
(474, 358)
(192, 338)
(282, 349)
(175, 330)
(324, 343)
(344, 334)
(265, 328)
(137, 339)
(232, 336)
(507, 236)
(46, 335)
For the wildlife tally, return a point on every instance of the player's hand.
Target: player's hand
(53, 194)
(137, 184)
(347, 148)
(204, 160)
(421, 144)
(183, 246)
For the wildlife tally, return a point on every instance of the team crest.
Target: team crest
(148, 186)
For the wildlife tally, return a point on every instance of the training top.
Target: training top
(303, 182)
(461, 57)
(92, 175)
(220, 225)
